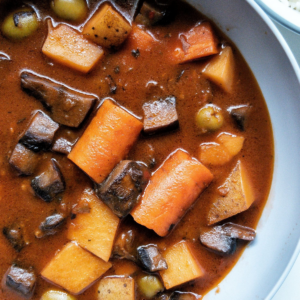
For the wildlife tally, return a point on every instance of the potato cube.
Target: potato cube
(220, 69)
(111, 288)
(74, 268)
(96, 230)
(70, 48)
(239, 198)
(107, 27)
(233, 143)
(182, 265)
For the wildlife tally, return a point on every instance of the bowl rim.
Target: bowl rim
(273, 8)
(262, 9)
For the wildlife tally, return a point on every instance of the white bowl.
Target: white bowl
(283, 14)
(266, 262)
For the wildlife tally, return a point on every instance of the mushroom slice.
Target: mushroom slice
(49, 183)
(240, 115)
(151, 258)
(50, 225)
(240, 232)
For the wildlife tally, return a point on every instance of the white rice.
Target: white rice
(295, 4)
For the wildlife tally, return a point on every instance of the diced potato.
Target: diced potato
(220, 69)
(70, 48)
(107, 27)
(214, 154)
(239, 198)
(182, 265)
(96, 230)
(74, 268)
(149, 285)
(112, 288)
(233, 143)
(56, 295)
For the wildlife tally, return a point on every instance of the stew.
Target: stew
(136, 151)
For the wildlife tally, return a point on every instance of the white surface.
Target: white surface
(290, 289)
(266, 263)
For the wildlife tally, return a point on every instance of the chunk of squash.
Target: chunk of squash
(107, 27)
(112, 288)
(182, 265)
(74, 268)
(222, 152)
(220, 69)
(239, 198)
(233, 143)
(200, 41)
(139, 39)
(68, 47)
(96, 230)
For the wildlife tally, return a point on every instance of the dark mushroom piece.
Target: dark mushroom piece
(15, 235)
(62, 145)
(122, 188)
(184, 296)
(23, 160)
(50, 183)
(151, 259)
(128, 8)
(21, 280)
(215, 239)
(150, 14)
(240, 115)
(160, 115)
(40, 132)
(50, 225)
(222, 238)
(124, 246)
(66, 106)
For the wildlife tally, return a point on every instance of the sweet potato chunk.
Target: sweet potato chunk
(239, 198)
(106, 141)
(107, 27)
(50, 183)
(160, 115)
(23, 160)
(199, 42)
(70, 48)
(66, 106)
(171, 191)
(95, 230)
(39, 133)
(74, 268)
(112, 288)
(182, 265)
(139, 39)
(122, 188)
(220, 69)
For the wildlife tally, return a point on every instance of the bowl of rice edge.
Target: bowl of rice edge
(285, 12)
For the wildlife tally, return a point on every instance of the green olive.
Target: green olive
(72, 10)
(20, 24)
(149, 285)
(209, 118)
(56, 295)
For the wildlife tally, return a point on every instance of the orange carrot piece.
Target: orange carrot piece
(139, 39)
(70, 48)
(171, 191)
(199, 42)
(106, 141)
